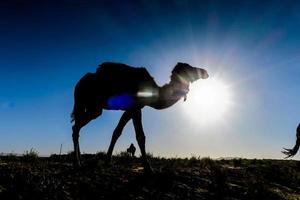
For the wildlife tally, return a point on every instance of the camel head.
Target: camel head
(184, 72)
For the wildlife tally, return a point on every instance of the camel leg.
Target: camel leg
(117, 132)
(76, 129)
(294, 150)
(79, 123)
(141, 138)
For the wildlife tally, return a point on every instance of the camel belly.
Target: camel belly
(120, 102)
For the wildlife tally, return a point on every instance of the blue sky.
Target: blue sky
(46, 47)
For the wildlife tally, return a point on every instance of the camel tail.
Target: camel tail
(73, 116)
(78, 108)
(75, 107)
(74, 112)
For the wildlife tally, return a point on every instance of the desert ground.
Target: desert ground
(33, 177)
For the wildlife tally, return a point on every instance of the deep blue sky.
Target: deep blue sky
(46, 46)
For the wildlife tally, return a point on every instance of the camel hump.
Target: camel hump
(122, 72)
(112, 66)
(120, 67)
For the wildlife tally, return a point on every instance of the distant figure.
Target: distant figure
(117, 86)
(131, 150)
(294, 150)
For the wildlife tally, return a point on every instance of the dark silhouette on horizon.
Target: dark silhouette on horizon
(116, 86)
(131, 150)
(294, 150)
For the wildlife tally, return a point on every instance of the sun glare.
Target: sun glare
(208, 100)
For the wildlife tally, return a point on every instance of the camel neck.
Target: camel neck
(169, 94)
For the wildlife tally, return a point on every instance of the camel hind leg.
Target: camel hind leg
(81, 119)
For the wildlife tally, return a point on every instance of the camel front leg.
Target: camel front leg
(117, 133)
(141, 138)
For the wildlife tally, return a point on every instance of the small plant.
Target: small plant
(10, 157)
(218, 185)
(237, 162)
(31, 155)
(100, 155)
(150, 155)
(193, 160)
(122, 154)
(206, 162)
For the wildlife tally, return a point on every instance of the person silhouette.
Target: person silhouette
(131, 150)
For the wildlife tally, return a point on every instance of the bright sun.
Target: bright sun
(208, 100)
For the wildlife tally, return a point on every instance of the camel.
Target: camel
(117, 86)
(294, 150)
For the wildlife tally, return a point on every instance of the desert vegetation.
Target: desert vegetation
(33, 177)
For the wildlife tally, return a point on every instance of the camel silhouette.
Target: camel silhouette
(116, 86)
(294, 150)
